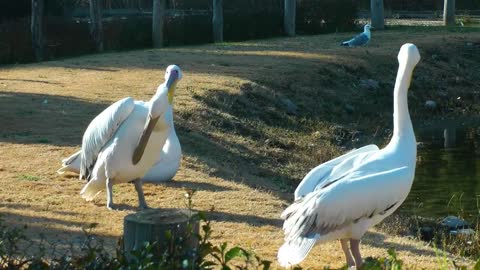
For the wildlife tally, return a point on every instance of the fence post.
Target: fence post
(157, 23)
(449, 12)
(217, 21)
(289, 17)
(376, 10)
(37, 28)
(96, 27)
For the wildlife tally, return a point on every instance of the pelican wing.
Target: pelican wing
(100, 131)
(332, 169)
(358, 195)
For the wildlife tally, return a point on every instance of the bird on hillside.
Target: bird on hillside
(343, 198)
(359, 40)
(123, 142)
(166, 166)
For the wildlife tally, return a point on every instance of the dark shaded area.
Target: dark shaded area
(40, 118)
(248, 219)
(186, 22)
(326, 16)
(422, 4)
(57, 242)
(193, 186)
(27, 80)
(378, 241)
(447, 177)
(22, 206)
(10, 10)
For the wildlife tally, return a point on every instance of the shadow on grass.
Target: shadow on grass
(58, 242)
(22, 206)
(377, 240)
(194, 186)
(27, 80)
(48, 119)
(248, 219)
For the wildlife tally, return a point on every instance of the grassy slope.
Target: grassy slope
(242, 151)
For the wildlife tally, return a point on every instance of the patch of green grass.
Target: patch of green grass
(43, 140)
(28, 177)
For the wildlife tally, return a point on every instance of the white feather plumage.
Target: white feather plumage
(343, 198)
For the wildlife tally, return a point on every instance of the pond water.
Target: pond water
(447, 178)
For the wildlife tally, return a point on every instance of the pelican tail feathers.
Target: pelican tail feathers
(294, 252)
(71, 163)
(91, 189)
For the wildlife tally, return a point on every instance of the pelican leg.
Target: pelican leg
(109, 194)
(355, 247)
(346, 250)
(142, 204)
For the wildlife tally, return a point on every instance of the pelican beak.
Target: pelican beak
(171, 84)
(142, 143)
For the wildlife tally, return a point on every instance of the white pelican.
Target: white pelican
(359, 40)
(163, 170)
(343, 198)
(122, 143)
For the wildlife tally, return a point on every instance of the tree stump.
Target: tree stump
(169, 228)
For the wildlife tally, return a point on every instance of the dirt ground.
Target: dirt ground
(242, 150)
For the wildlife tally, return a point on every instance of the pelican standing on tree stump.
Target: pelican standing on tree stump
(343, 198)
(122, 143)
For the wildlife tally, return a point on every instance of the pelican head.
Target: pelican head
(408, 58)
(173, 74)
(408, 55)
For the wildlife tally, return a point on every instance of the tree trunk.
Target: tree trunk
(376, 10)
(37, 28)
(449, 12)
(96, 27)
(450, 137)
(157, 23)
(169, 228)
(289, 17)
(217, 21)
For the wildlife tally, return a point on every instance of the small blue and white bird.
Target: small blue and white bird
(342, 198)
(122, 143)
(360, 39)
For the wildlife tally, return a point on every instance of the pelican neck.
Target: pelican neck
(402, 124)
(367, 33)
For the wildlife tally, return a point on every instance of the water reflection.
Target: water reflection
(447, 179)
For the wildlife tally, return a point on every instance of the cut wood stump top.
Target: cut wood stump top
(161, 216)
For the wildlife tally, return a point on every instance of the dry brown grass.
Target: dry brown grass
(242, 152)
